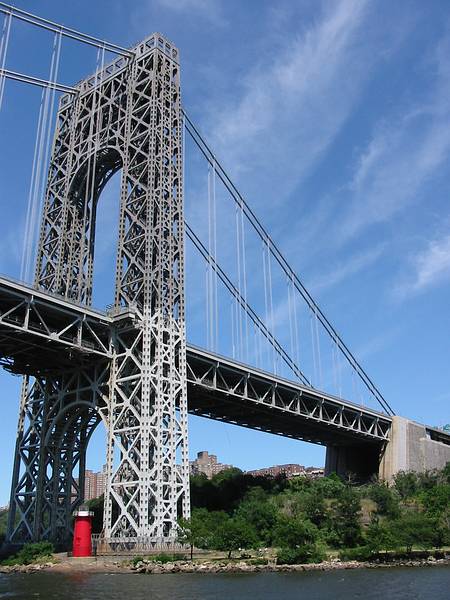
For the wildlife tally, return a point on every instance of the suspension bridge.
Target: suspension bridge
(269, 358)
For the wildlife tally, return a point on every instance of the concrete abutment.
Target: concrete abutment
(410, 448)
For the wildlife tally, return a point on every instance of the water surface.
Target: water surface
(431, 583)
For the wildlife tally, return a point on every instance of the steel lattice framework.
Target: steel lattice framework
(130, 367)
(126, 116)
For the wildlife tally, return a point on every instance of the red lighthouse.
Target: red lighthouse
(82, 545)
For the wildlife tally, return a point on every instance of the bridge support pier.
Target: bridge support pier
(412, 447)
(360, 461)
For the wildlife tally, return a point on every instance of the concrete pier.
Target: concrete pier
(411, 447)
(360, 460)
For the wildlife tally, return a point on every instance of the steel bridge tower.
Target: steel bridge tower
(126, 116)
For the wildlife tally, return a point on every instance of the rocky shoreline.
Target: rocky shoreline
(243, 567)
(151, 567)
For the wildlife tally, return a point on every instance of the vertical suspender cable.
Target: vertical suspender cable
(358, 388)
(216, 299)
(354, 385)
(313, 346)
(338, 363)
(233, 340)
(40, 161)
(266, 296)
(3, 50)
(272, 319)
(31, 194)
(209, 277)
(257, 346)
(37, 206)
(333, 363)
(319, 358)
(95, 148)
(291, 325)
(244, 277)
(296, 336)
(207, 304)
(238, 257)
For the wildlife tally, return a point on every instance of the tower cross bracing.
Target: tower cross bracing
(126, 117)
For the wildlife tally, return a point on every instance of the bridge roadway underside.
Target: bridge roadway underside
(43, 334)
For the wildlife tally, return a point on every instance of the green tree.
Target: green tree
(311, 505)
(429, 479)
(413, 529)
(329, 487)
(3, 525)
(436, 506)
(96, 505)
(307, 553)
(31, 553)
(297, 538)
(386, 498)
(260, 513)
(292, 532)
(445, 474)
(406, 483)
(345, 518)
(234, 534)
(436, 501)
(300, 484)
(195, 531)
(379, 537)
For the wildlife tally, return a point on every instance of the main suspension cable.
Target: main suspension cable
(276, 253)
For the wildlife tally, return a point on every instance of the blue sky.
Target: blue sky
(334, 121)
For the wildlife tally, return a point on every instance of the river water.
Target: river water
(431, 583)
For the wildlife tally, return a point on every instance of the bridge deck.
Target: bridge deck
(223, 389)
(41, 333)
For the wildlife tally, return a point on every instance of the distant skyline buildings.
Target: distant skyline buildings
(207, 464)
(94, 483)
(289, 470)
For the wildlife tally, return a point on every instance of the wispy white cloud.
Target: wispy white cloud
(11, 245)
(402, 156)
(343, 270)
(210, 10)
(289, 109)
(430, 267)
(335, 276)
(377, 343)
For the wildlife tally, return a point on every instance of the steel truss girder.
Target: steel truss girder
(222, 389)
(217, 377)
(31, 323)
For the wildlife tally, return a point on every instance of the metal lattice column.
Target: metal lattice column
(126, 116)
(57, 417)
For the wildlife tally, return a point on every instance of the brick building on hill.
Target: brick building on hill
(207, 464)
(288, 470)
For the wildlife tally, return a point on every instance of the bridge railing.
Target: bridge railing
(134, 545)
